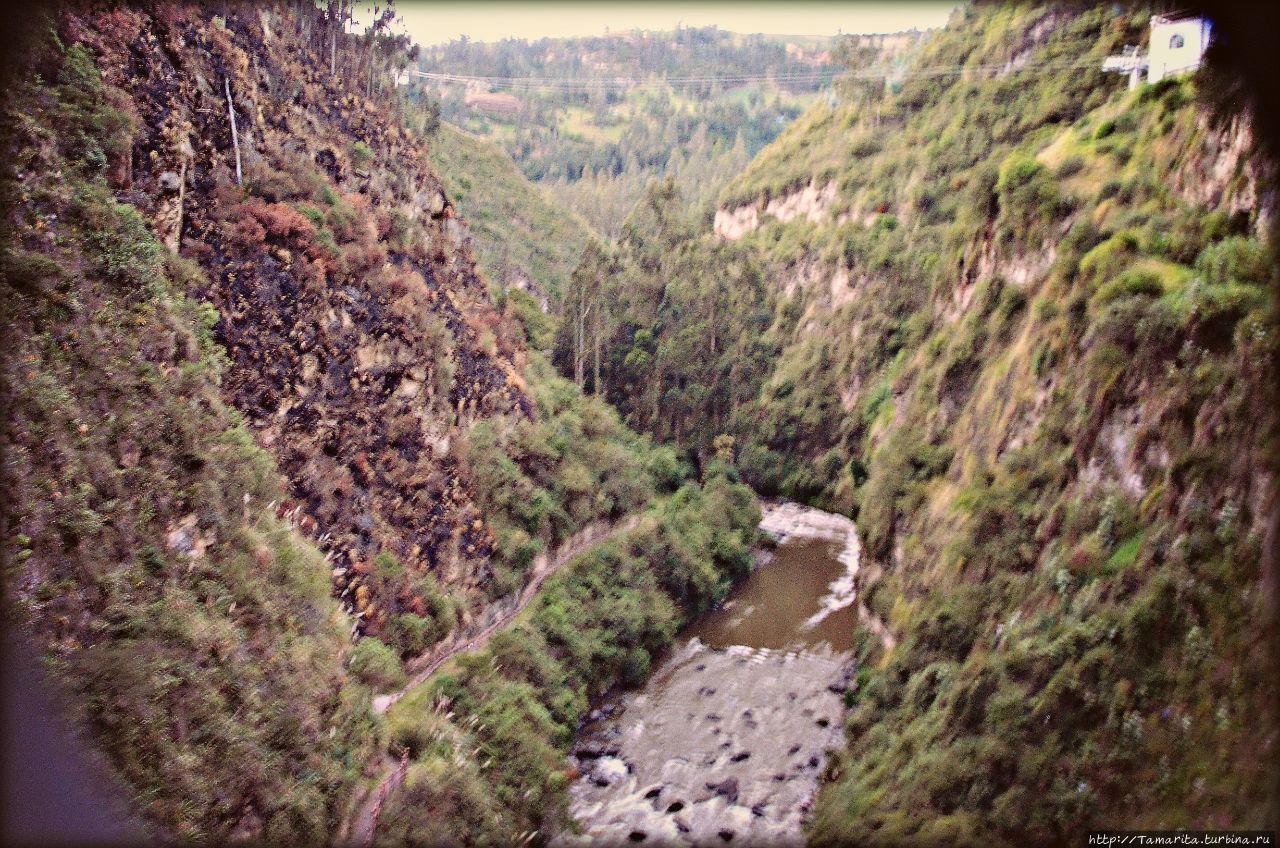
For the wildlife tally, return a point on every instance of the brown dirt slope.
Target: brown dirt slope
(359, 334)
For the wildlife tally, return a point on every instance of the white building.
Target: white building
(1177, 45)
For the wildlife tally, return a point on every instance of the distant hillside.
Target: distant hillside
(604, 116)
(524, 241)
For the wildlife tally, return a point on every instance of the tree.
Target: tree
(723, 445)
(584, 312)
(337, 13)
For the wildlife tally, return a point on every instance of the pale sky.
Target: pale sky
(431, 22)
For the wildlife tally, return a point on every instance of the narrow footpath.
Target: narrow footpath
(470, 639)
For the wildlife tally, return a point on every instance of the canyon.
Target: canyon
(918, 491)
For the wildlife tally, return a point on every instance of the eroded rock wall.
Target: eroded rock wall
(360, 338)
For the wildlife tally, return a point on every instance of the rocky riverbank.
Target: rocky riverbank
(723, 745)
(726, 742)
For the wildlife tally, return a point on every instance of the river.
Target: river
(728, 738)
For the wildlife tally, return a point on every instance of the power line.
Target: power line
(571, 85)
(617, 82)
(613, 80)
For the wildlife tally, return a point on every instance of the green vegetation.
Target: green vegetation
(510, 709)
(195, 629)
(1026, 345)
(376, 665)
(595, 145)
(541, 480)
(998, 348)
(526, 244)
(499, 721)
(152, 562)
(617, 336)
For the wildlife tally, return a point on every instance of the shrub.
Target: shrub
(667, 469)
(118, 239)
(762, 467)
(1219, 309)
(412, 634)
(884, 223)
(1070, 166)
(376, 664)
(1109, 189)
(91, 133)
(1106, 259)
(1134, 283)
(361, 154)
(298, 817)
(1026, 190)
(1085, 560)
(635, 667)
(1124, 555)
(1235, 259)
(1012, 300)
(279, 221)
(1018, 170)
(255, 223)
(950, 632)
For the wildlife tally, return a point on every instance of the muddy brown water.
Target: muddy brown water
(726, 741)
(776, 605)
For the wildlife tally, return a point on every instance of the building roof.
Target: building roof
(494, 102)
(1174, 18)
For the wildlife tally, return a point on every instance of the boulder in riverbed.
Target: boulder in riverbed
(726, 788)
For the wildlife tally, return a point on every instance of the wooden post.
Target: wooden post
(235, 136)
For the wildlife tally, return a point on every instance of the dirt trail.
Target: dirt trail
(497, 617)
(367, 817)
(500, 615)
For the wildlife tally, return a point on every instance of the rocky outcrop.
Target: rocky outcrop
(1222, 171)
(360, 339)
(812, 202)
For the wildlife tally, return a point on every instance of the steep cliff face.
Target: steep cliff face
(1024, 336)
(360, 339)
(194, 629)
(1058, 399)
(245, 339)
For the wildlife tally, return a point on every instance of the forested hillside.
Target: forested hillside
(1016, 320)
(526, 244)
(268, 437)
(595, 119)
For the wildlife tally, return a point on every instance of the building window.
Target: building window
(1175, 42)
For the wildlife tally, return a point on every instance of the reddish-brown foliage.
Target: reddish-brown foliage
(280, 221)
(248, 232)
(364, 259)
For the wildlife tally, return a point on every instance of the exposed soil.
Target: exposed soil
(357, 355)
